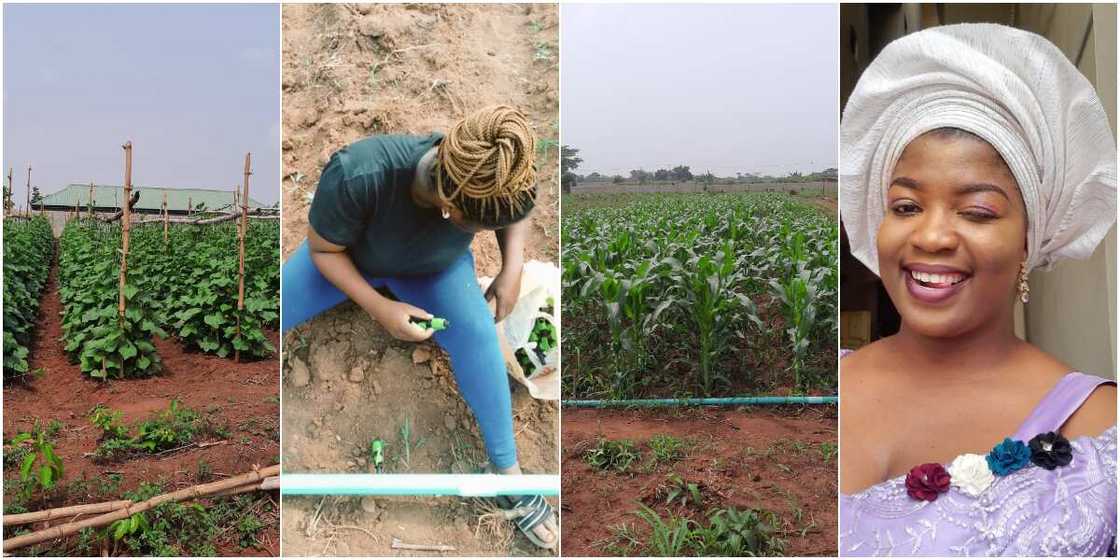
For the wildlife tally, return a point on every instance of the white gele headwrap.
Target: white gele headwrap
(1012, 88)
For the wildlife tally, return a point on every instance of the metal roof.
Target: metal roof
(151, 198)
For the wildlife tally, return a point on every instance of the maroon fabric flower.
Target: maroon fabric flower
(925, 482)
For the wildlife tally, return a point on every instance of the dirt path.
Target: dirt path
(756, 458)
(355, 71)
(239, 397)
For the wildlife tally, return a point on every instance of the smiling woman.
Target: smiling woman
(970, 155)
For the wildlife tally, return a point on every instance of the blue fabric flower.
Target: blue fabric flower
(1008, 457)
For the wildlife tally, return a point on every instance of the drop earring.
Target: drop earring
(445, 213)
(1024, 287)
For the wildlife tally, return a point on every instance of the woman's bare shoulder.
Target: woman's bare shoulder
(1096, 414)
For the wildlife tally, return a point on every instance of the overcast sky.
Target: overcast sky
(726, 88)
(194, 87)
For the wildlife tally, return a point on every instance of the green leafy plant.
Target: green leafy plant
(616, 455)
(40, 468)
(167, 429)
(28, 250)
(666, 448)
(674, 293)
(677, 490)
(672, 536)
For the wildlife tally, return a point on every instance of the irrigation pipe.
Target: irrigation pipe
(718, 401)
(465, 485)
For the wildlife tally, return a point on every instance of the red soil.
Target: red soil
(244, 397)
(733, 455)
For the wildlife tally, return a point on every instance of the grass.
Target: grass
(164, 431)
(828, 451)
(666, 449)
(612, 455)
(728, 532)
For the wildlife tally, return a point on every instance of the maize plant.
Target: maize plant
(676, 293)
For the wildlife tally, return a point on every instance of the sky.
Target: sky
(725, 88)
(194, 87)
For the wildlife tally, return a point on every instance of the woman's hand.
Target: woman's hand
(505, 290)
(394, 317)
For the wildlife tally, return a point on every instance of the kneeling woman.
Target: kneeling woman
(399, 212)
(971, 154)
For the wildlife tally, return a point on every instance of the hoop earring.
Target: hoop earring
(1024, 287)
(445, 213)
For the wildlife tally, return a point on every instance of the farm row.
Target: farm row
(28, 251)
(183, 283)
(699, 295)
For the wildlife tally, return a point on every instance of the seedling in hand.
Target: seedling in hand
(435, 323)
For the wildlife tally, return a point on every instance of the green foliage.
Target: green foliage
(104, 343)
(677, 290)
(177, 529)
(186, 285)
(828, 451)
(666, 449)
(39, 467)
(728, 532)
(167, 429)
(28, 249)
(615, 455)
(677, 489)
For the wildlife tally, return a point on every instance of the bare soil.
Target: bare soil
(242, 397)
(760, 458)
(352, 71)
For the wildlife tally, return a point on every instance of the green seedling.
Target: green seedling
(377, 455)
(435, 323)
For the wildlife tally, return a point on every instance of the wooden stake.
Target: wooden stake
(165, 217)
(199, 491)
(241, 231)
(190, 208)
(8, 201)
(90, 199)
(127, 217)
(29, 190)
(59, 513)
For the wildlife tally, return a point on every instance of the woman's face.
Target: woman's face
(954, 236)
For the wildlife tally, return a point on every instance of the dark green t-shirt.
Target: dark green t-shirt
(363, 203)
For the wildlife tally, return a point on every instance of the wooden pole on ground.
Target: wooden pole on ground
(59, 513)
(126, 217)
(164, 217)
(90, 199)
(189, 207)
(241, 231)
(199, 491)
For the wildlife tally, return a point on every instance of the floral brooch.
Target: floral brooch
(973, 473)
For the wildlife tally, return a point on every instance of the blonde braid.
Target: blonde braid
(488, 156)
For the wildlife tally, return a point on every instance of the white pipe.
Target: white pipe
(481, 485)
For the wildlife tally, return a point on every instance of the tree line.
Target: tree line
(570, 162)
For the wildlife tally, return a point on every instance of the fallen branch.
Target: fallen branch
(68, 511)
(194, 492)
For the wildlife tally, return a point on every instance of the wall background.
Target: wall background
(1072, 312)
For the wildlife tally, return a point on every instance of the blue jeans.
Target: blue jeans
(471, 341)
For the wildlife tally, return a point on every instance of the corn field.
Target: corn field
(185, 286)
(699, 295)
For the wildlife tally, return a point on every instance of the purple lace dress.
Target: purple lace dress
(1069, 511)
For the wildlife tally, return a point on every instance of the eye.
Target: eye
(905, 208)
(979, 214)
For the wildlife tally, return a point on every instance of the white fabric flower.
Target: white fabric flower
(970, 473)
